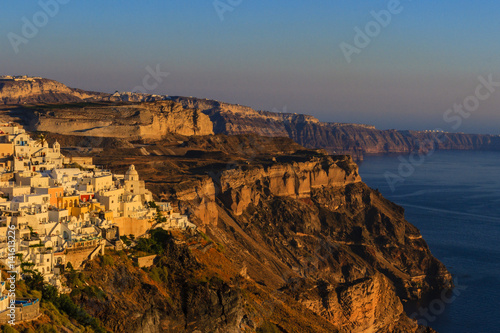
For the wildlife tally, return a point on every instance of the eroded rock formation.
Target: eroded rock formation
(147, 121)
(306, 225)
(336, 138)
(143, 116)
(42, 91)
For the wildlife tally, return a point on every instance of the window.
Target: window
(47, 260)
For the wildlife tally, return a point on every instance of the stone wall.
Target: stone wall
(27, 312)
(146, 261)
(77, 256)
(128, 225)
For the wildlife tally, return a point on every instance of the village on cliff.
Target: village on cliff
(58, 212)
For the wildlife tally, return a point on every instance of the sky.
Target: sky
(408, 70)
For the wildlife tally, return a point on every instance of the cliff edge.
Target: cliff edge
(304, 228)
(41, 91)
(336, 138)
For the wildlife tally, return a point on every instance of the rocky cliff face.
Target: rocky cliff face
(336, 138)
(171, 297)
(148, 121)
(307, 226)
(151, 116)
(359, 140)
(293, 241)
(41, 91)
(297, 179)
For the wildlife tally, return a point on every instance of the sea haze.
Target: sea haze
(454, 199)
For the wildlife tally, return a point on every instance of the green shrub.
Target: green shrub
(94, 292)
(125, 240)
(204, 236)
(75, 279)
(35, 281)
(157, 243)
(159, 274)
(107, 260)
(66, 304)
(46, 328)
(9, 329)
(28, 330)
(63, 303)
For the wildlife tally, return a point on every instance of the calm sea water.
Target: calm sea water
(453, 197)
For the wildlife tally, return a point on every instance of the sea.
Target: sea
(453, 197)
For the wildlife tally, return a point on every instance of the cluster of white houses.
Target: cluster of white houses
(67, 215)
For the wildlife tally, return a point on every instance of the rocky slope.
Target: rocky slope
(168, 298)
(142, 118)
(296, 242)
(299, 226)
(42, 91)
(334, 137)
(147, 121)
(291, 240)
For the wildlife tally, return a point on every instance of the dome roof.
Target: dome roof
(132, 171)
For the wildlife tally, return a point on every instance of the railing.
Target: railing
(27, 302)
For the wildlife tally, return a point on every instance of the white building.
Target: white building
(59, 211)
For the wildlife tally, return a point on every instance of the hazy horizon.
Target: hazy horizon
(273, 56)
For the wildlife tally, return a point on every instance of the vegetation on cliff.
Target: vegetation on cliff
(290, 239)
(297, 225)
(59, 313)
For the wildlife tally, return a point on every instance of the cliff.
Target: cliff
(286, 177)
(302, 226)
(336, 138)
(156, 115)
(316, 232)
(148, 121)
(43, 91)
(292, 238)
(288, 240)
(167, 298)
(135, 116)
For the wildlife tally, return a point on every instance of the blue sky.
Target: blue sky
(274, 55)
